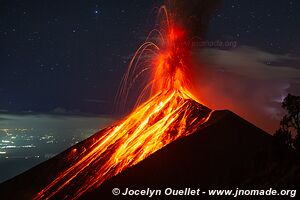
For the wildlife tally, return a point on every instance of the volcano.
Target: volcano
(225, 152)
(169, 138)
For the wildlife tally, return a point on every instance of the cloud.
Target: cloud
(59, 110)
(248, 81)
(4, 119)
(254, 63)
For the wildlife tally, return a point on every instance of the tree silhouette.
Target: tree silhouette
(289, 131)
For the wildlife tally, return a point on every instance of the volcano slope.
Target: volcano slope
(224, 153)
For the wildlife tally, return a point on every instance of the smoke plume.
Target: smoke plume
(193, 15)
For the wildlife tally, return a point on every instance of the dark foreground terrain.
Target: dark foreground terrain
(225, 153)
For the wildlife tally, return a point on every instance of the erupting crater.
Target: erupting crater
(171, 112)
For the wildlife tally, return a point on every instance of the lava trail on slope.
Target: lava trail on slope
(171, 112)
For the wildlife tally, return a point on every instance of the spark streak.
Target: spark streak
(172, 112)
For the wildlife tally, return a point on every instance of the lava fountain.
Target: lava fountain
(171, 112)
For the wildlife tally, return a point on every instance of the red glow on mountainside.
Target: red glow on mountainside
(171, 112)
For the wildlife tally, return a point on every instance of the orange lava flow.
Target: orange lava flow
(171, 112)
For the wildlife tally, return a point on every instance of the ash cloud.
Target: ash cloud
(247, 81)
(193, 15)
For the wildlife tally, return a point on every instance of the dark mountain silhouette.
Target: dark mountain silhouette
(226, 152)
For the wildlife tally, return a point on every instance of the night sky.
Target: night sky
(69, 56)
(272, 26)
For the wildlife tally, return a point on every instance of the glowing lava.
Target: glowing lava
(170, 113)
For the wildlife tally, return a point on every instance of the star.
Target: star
(97, 11)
